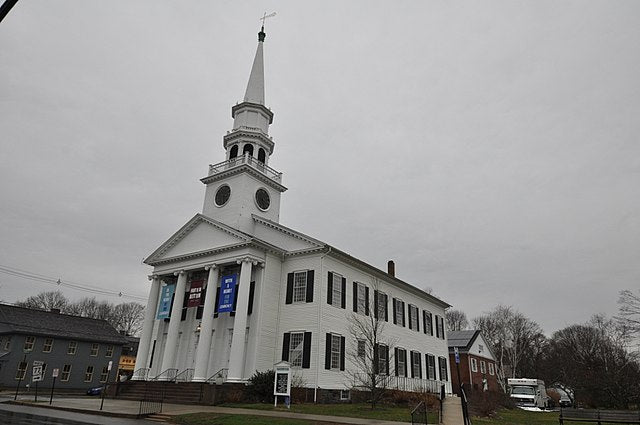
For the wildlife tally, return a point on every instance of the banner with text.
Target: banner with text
(165, 301)
(195, 293)
(227, 293)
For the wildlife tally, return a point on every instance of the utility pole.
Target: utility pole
(6, 7)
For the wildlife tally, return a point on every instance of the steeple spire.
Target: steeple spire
(255, 86)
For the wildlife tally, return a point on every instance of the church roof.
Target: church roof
(26, 321)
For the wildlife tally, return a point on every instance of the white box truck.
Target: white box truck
(528, 392)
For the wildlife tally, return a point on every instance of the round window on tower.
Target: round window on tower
(262, 199)
(222, 195)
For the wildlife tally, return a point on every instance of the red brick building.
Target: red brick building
(477, 362)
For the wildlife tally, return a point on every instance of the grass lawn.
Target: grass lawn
(221, 419)
(519, 417)
(354, 410)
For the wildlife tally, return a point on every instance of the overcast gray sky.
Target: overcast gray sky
(490, 148)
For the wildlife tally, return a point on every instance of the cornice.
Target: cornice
(197, 254)
(249, 170)
(286, 230)
(249, 105)
(247, 134)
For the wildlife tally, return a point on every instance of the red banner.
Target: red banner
(195, 293)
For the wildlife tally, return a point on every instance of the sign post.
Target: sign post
(24, 362)
(54, 375)
(36, 375)
(282, 383)
(457, 357)
(104, 390)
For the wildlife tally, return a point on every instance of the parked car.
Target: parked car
(564, 401)
(95, 390)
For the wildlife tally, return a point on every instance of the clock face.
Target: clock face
(262, 199)
(222, 195)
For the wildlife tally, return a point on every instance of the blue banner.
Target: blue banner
(165, 301)
(227, 293)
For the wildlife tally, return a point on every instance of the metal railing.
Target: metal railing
(219, 377)
(404, 383)
(141, 374)
(248, 160)
(184, 376)
(166, 375)
(465, 406)
(419, 414)
(152, 401)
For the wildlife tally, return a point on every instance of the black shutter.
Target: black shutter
(375, 303)
(417, 312)
(235, 301)
(442, 327)
(366, 300)
(252, 290)
(424, 321)
(440, 367)
(185, 301)
(395, 321)
(355, 297)
(330, 288)
(344, 292)
(386, 350)
(406, 372)
(327, 353)
(412, 368)
(420, 363)
(437, 327)
(403, 314)
(386, 308)
(289, 299)
(215, 307)
(285, 346)
(306, 350)
(309, 286)
(376, 362)
(410, 316)
(342, 346)
(395, 359)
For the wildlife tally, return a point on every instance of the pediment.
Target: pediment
(198, 235)
(283, 237)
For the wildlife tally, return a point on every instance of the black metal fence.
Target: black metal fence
(419, 414)
(152, 400)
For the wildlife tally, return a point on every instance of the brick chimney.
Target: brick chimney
(391, 268)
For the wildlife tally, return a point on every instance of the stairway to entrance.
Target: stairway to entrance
(171, 392)
(452, 411)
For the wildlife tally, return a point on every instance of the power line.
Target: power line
(35, 277)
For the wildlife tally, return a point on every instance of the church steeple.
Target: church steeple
(244, 185)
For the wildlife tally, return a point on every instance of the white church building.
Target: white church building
(234, 291)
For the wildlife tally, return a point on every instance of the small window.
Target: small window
(442, 362)
(234, 152)
(336, 290)
(380, 298)
(48, 344)
(66, 373)
(262, 156)
(300, 287)
(248, 148)
(345, 395)
(491, 369)
(383, 359)
(361, 297)
(296, 348)
(73, 346)
(362, 348)
(413, 318)
(29, 342)
(474, 365)
(109, 351)
(88, 375)
(105, 374)
(22, 370)
(428, 322)
(483, 367)
(399, 312)
(94, 349)
(336, 352)
(402, 367)
(480, 348)
(416, 367)
(431, 366)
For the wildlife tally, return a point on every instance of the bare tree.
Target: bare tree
(629, 312)
(45, 301)
(128, 317)
(372, 350)
(456, 320)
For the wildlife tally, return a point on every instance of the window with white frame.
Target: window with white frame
(413, 317)
(402, 367)
(300, 287)
(88, 375)
(431, 366)
(416, 365)
(474, 365)
(483, 367)
(72, 347)
(336, 291)
(444, 375)
(428, 322)
(399, 310)
(381, 308)
(336, 353)
(361, 293)
(296, 348)
(383, 359)
(491, 369)
(480, 348)
(94, 349)
(66, 373)
(362, 348)
(345, 395)
(22, 370)
(109, 351)
(105, 374)
(29, 342)
(48, 345)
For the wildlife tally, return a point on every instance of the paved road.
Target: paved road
(28, 415)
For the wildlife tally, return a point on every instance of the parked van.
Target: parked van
(528, 392)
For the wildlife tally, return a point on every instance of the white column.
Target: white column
(236, 357)
(142, 359)
(170, 348)
(204, 344)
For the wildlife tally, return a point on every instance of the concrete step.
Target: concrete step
(158, 417)
(452, 411)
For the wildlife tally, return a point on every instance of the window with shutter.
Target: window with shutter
(334, 296)
(398, 311)
(443, 369)
(362, 301)
(296, 348)
(401, 369)
(431, 366)
(300, 287)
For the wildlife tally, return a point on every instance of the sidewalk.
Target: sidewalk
(129, 409)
